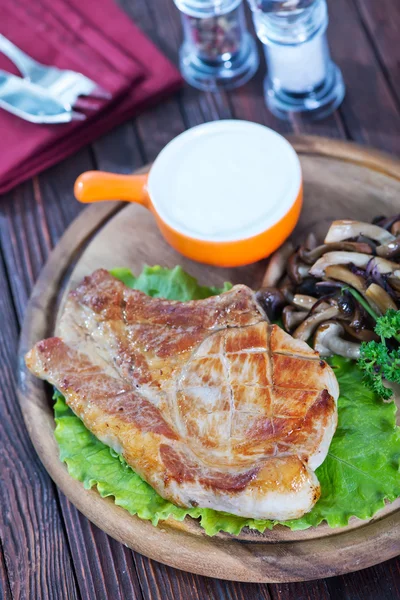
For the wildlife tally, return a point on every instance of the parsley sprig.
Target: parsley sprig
(381, 360)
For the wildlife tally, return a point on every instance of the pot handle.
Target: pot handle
(95, 186)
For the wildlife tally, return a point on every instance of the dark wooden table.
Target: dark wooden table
(48, 549)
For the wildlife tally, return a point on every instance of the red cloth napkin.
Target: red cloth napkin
(99, 41)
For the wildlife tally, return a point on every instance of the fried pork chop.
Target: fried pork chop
(209, 403)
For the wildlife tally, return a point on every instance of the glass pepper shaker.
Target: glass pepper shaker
(302, 78)
(217, 49)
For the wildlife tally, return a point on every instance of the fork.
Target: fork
(33, 103)
(64, 85)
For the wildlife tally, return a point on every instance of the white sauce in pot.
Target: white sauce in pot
(225, 180)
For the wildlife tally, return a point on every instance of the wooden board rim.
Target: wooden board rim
(267, 563)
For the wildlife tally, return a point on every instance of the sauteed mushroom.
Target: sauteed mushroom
(352, 278)
(384, 266)
(346, 229)
(327, 287)
(394, 282)
(287, 288)
(303, 301)
(347, 305)
(308, 326)
(386, 222)
(292, 318)
(346, 276)
(361, 319)
(310, 256)
(389, 250)
(328, 341)
(311, 241)
(271, 301)
(339, 258)
(277, 265)
(363, 335)
(296, 269)
(380, 298)
(395, 228)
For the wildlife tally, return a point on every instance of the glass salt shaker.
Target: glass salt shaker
(217, 49)
(302, 78)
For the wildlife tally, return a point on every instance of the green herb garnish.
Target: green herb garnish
(381, 360)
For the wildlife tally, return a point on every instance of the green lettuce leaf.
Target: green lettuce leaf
(174, 284)
(362, 468)
(360, 473)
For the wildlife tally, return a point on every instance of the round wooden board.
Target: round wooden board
(341, 180)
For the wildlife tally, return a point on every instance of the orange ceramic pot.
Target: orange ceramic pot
(226, 193)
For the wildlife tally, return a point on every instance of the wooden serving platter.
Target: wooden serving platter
(341, 180)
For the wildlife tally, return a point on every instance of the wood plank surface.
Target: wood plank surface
(5, 590)
(364, 40)
(369, 110)
(381, 21)
(34, 546)
(164, 583)
(104, 568)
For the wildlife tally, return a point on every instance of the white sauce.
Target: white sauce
(225, 180)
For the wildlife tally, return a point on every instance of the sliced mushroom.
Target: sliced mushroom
(378, 220)
(292, 318)
(347, 305)
(383, 266)
(363, 335)
(389, 250)
(380, 298)
(328, 341)
(346, 229)
(339, 258)
(395, 228)
(311, 241)
(322, 304)
(286, 286)
(346, 276)
(308, 326)
(296, 269)
(310, 256)
(308, 286)
(361, 319)
(362, 239)
(271, 301)
(327, 287)
(276, 265)
(359, 260)
(394, 282)
(304, 302)
(386, 222)
(382, 279)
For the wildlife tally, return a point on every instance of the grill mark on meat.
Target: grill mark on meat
(300, 356)
(251, 338)
(181, 469)
(228, 379)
